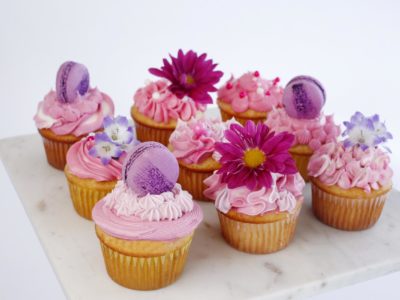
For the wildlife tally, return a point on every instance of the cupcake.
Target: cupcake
(193, 144)
(146, 224)
(180, 94)
(302, 115)
(94, 164)
(257, 190)
(351, 179)
(249, 97)
(70, 112)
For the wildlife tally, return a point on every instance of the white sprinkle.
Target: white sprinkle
(156, 95)
(260, 91)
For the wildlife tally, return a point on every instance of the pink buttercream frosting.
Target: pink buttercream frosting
(80, 163)
(250, 91)
(333, 164)
(282, 196)
(157, 102)
(80, 117)
(168, 216)
(194, 141)
(311, 132)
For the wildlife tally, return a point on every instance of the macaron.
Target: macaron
(150, 168)
(72, 79)
(303, 97)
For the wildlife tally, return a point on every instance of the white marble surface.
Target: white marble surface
(319, 258)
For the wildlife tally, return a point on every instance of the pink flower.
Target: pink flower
(190, 75)
(252, 153)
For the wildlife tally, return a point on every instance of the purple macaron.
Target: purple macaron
(72, 79)
(150, 168)
(303, 97)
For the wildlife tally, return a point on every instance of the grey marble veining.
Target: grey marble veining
(318, 259)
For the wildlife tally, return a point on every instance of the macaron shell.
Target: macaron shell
(150, 168)
(72, 78)
(303, 97)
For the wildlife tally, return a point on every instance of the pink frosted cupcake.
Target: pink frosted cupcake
(94, 164)
(302, 116)
(183, 92)
(146, 224)
(193, 144)
(257, 190)
(249, 97)
(351, 179)
(70, 112)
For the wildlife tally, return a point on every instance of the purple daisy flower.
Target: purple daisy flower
(252, 153)
(190, 75)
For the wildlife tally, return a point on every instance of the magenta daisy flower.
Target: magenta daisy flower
(252, 153)
(190, 75)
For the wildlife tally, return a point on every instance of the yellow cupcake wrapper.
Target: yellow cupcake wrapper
(302, 161)
(225, 116)
(346, 213)
(85, 193)
(146, 133)
(145, 272)
(56, 152)
(193, 182)
(259, 238)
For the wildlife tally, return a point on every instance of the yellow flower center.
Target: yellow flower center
(254, 157)
(189, 79)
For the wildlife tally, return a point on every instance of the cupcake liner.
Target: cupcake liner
(143, 265)
(259, 238)
(192, 181)
(302, 164)
(346, 213)
(146, 133)
(56, 150)
(225, 116)
(85, 193)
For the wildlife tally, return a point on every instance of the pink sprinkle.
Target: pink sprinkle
(276, 80)
(242, 94)
(256, 74)
(267, 93)
(229, 85)
(90, 138)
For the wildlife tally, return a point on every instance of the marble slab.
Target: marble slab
(318, 259)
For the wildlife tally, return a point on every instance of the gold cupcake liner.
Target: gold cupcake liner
(143, 265)
(302, 161)
(146, 133)
(259, 238)
(193, 182)
(56, 150)
(225, 116)
(85, 193)
(346, 213)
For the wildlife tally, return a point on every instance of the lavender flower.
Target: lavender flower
(365, 131)
(117, 138)
(104, 148)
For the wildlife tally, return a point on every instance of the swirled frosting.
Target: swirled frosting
(83, 165)
(80, 117)
(250, 91)
(333, 164)
(157, 102)
(281, 197)
(194, 141)
(311, 132)
(163, 217)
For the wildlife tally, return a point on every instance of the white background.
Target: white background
(352, 47)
